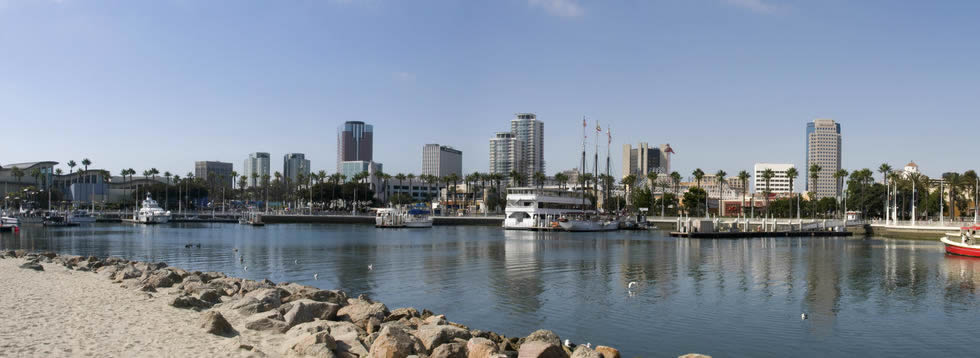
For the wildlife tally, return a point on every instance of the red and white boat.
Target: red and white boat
(965, 243)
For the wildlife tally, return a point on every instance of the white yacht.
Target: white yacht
(151, 213)
(9, 223)
(80, 217)
(418, 218)
(531, 208)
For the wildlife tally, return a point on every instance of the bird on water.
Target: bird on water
(632, 285)
(316, 276)
(804, 316)
(371, 267)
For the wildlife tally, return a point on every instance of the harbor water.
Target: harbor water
(873, 297)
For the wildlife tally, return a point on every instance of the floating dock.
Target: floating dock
(746, 235)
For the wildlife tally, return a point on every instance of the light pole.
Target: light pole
(913, 202)
(941, 194)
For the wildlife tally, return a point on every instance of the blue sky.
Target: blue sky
(726, 82)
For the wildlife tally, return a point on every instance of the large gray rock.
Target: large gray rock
(210, 295)
(162, 278)
(259, 301)
(359, 312)
(266, 321)
(449, 350)
(607, 352)
(319, 344)
(401, 313)
(481, 348)
(585, 352)
(249, 286)
(321, 310)
(393, 343)
(539, 349)
(189, 302)
(32, 265)
(436, 320)
(348, 337)
(543, 335)
(298, 313)
(127, 272)
(434, 335)
(214, 323)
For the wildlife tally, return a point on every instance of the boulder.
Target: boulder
(162, 278)
(209, 276)
(230, 286)
(189, 302)
(268, 298)
(543, 335)
(249, 286)
(266, 321)
(319, 344)
(449, 350)
(209, 295)
(607, 352)
(144, 288)
(321, 310)
(298, 313)
(32, 266)
(585, 352)
(9, 253)
(393, 343)
(539, 349)
(127, 272)
(107, 270)
(348, 337)
(434, 335)
(481, 348)
(400, 313)
(214, 323)
(436, 320)
(20, 253)
(308, 328)
(360, 311)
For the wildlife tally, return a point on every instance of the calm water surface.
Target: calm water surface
(868, 297)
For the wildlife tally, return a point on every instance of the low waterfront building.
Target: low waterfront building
(12, 184)
(415, 189)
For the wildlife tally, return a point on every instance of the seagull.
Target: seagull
(371, 267)
(803, 316)
(245, 267)
(316, 276)
(241, 259)
(295, 262)
(588, 345)
(235, 249)
(569, 344)
(632, 285)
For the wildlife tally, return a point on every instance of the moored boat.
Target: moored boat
(253, 218)
(151, 213)
(963, 243)
(80, 217)
(588, 224)
(540, 208)
(9, 223)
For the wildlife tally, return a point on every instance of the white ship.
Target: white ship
(80, 217)
(540, 208)
(151, 213)
(9, 223)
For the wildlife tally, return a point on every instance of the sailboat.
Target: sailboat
(589, 222)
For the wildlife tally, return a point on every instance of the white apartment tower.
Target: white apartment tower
(505, 155)
(779, 184)
(294, 164)
(440, 160)
(257, 163)
(823, 148)
(529, 132)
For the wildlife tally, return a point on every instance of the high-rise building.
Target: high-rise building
(778, 184)
(529, 132)
(823, 148)
(257, 163)
(505, 155)
(440, 160)
(643, 159)
(215, 172)
(355, 142)
(294, 164)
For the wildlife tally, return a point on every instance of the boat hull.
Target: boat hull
(82, 220)
(588, 225)
(419, 224)
(152, 219)
(961, 249)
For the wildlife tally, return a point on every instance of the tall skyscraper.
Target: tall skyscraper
(505, 154)
(355, 142)
(216, 172)
(529, 132)
(294, 164)
(823, 148)
(644, 159)
(779, 184)
(440, 160)
(257, 163)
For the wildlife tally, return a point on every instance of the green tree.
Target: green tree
(743, 178)
(814, 177)
(767, 176)
(721, 174)
(839, 177)
(694, 197)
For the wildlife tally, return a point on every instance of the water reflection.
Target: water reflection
(722, 297)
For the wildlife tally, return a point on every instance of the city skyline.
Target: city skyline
(695, 85)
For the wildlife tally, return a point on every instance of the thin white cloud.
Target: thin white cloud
(563, 8)
(759, 6)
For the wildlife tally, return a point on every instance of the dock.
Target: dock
(746, 235)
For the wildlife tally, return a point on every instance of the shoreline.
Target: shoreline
(117, 307)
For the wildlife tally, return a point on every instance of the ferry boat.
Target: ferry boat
(531, 208)
(399, 217)
(151, 213)
(80, 217)
(963, 243)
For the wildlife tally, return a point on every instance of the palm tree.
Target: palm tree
(743, 178)
(792, 173)
(561, 178)
(167, 175)
(721, 188)
(973, 181)
(86, 163)
(71, 166)
(954, 181)
(652, 181)
(675, 178)
(242, 182)
(814, 176)
(265, 187)
(884, 169)
(767, 176)
(628, 182)
(539, 179)
(839, 176)
(515, 178)
(36, 173)
(698, 176)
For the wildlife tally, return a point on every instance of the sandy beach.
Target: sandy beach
(65, 313)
